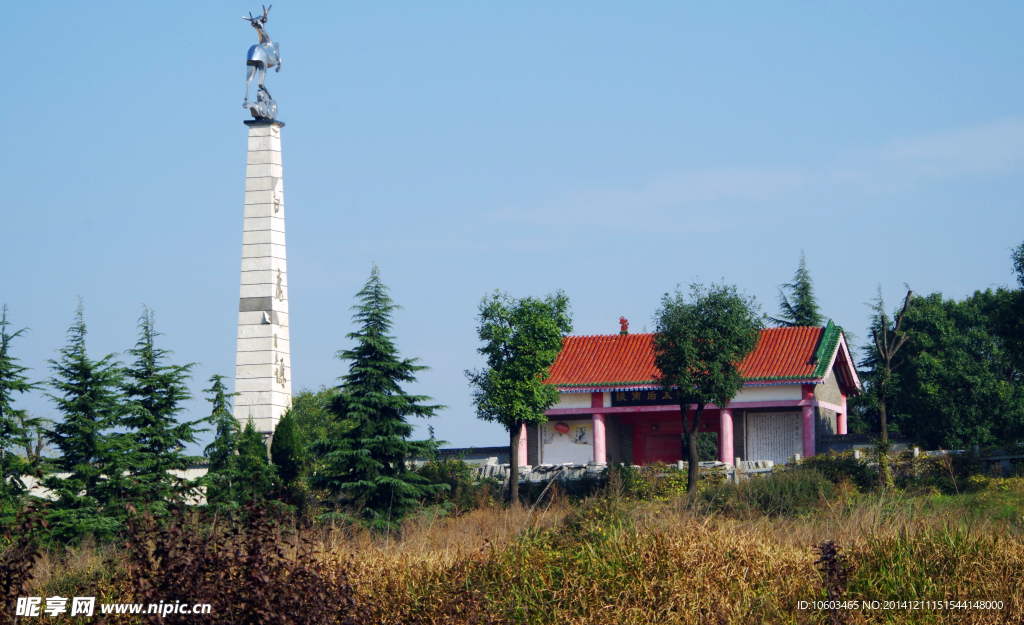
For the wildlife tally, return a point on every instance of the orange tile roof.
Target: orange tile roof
(628, 359)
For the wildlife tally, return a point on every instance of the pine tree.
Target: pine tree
(367, 465)
(253, 476)
(1018, 263)
(15, 424)
(86, 393)
(155, 392)
(801, 307)
(226, 428)
(879, 365)
(222, 451)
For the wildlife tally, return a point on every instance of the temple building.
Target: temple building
(612, 410)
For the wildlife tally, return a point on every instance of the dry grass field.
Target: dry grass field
(609, 558)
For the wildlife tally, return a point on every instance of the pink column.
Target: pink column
(600, 453)
(522, 446)
(725, 444)
(807, 395)
(841, 418)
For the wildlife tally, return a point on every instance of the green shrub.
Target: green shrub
(453, 471)
(782, 493)
(707, 446)
(593, 520)
(839, 467)
(949, 473)
(657, 481)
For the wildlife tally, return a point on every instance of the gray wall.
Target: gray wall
(532, 446)
(739, 432)
(613, 439)
(625, 444)
(825, 418)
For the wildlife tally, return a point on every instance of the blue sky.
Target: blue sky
(612, 150)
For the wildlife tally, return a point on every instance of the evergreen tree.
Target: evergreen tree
(15, 424)
(286, 450)
(1018, 263)
(367, 465)
(253, 477)
(800, 308)
(154, 392)
(222, 451)
(226, 428)
(86, 394)
(881, 378)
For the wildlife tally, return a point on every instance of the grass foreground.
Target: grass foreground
(734, 554)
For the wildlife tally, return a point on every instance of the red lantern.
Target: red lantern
(562, 427)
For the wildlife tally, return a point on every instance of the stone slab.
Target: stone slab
(263, 157)
(264, 263)
(273, 221)
(263, 249)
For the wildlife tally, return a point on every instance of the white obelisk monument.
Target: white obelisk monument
(263, 364)
(263, 367)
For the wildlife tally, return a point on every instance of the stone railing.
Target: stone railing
(569, 471)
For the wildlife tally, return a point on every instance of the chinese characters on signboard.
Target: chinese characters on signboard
(657, 397)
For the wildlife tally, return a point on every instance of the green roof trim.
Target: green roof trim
(829, 342)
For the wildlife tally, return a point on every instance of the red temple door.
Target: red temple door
(662, 448)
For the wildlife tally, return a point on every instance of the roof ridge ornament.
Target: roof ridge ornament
(623, 325)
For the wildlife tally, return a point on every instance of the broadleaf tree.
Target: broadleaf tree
(800, 306)
(1009, 315)
(315, 422)
(957, 385)
(699, 342)
(522, 338)
(365, 465)
(15, 423)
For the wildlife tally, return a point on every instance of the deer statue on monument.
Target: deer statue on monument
(261, 57)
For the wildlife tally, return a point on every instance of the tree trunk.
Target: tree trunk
(513, 471)
(884, 470)
(694, 463)
(689, 445)
(882, 418)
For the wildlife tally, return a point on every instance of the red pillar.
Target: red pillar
(522, 446)
(807, 395)
(841, 418)
(725, 443)
(600, 449)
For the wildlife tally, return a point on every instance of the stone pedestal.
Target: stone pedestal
(263, 364)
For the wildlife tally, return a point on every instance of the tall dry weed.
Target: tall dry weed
(613, 559)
